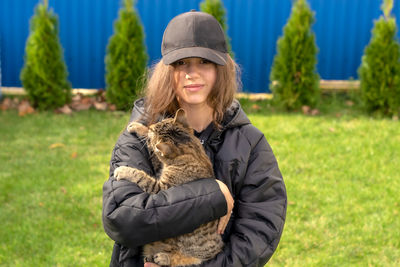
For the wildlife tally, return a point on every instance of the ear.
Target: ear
(138, 128)
(180, 117)
(164, 149)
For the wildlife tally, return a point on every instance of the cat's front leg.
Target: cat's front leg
(124, 172)
(141, 178)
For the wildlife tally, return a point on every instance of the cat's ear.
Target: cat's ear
(180, 117)
(165, 150)
(138, 128)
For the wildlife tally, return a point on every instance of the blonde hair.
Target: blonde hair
(161, 97)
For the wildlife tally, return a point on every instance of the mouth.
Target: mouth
(193, 87)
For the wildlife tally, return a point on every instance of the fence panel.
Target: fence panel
(342, 30)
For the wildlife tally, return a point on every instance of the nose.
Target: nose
(192, 70)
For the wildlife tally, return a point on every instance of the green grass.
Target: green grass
(340, 168)
(50, 209)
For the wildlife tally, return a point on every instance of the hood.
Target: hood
(234, 116)
(138, 113)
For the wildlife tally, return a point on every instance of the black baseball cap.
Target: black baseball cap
(194, 34)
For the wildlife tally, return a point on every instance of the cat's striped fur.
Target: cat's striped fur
(182, 160)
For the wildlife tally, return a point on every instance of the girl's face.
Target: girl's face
(194, 78)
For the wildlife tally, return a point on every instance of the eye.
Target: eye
(205, 61)
(179, 63)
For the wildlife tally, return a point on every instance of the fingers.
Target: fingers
(223, 221)
(227, 195)
(150, 264)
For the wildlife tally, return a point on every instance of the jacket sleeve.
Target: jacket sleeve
(259, 213)
(133, 218)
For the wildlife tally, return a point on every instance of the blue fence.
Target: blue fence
(342, 31)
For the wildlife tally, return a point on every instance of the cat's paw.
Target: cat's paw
(133, 126)
(138, 128)
(121, 172)
(148, 258)
(162, 259)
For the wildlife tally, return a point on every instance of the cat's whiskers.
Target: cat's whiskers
(144, 140)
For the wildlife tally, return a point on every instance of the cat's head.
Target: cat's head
(170, 137)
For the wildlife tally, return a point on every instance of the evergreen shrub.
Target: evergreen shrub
(380, 67)
(217, 9)
(126, 59)
(294, 80)
(44, 74)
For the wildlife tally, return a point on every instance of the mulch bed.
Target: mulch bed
(79, 102)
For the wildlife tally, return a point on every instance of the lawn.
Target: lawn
(340, 168)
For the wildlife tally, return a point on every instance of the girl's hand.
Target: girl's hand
(223, 221)
(150, 264)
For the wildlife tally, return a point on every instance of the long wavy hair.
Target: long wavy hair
(161, 99)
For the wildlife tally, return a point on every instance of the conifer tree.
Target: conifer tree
(217, 9)
(44, 75)
(380, 67)
(126, 58)
(294, 80)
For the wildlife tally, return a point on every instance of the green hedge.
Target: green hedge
(380, 68)
(294, 80)
(44, 74)
(126, 59)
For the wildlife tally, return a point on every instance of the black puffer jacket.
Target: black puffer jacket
(242, 159)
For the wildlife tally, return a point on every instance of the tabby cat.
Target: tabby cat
(183, 159)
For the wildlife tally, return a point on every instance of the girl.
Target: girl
(249, 197)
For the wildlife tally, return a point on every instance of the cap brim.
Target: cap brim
(214, 56)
